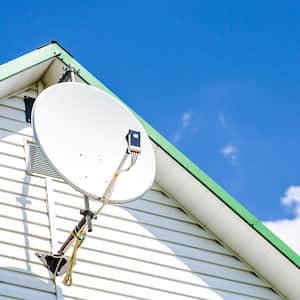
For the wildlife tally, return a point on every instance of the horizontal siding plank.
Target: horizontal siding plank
(13, 162)
(80, 292)
(25, 202)
(23, 254)
(13, 102)
(24, 227)
(148, 218)
(171, 285)
(12, 137)
(172, 271)
(16, 276)
(123, 214)
(12, 113)
(150, 195)
(27, 236)
(18, 291)
(203, 244)
(153, 244)
(132, 289)
(22, 188)
(21, 176)
(26, 214)
(130, 215)
(162, 292)
(27, 241)
(37, 270)
(10, 106)
(12, 150)
(138, 205)
(147, 255)
(203, 255)
(26, 293)
(159, 197)
(141, 230)
(147, 199)
(65, 188)
(210, 268)
(3, 297)
(15, 126)
(161, 210)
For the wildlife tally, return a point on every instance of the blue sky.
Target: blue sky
(218, 79)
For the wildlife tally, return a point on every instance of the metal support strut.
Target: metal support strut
(88, 215)
(57, 263)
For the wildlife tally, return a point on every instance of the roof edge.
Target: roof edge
(55, 49)
(28, 60)
(58, 44)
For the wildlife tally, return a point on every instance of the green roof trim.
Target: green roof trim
(29, 60)
(55, 50)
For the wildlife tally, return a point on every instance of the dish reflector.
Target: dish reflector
(82, 132)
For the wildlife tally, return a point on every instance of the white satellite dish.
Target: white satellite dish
(82, 132)
(97, 146)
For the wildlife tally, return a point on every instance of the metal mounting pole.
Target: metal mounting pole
(72, 74)
(88, 215)
(69, 74)
(78, 227)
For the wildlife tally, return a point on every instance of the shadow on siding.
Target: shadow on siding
(210, 286)
(24, 202)
(17, 283)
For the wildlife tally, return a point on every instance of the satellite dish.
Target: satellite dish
(83, 132)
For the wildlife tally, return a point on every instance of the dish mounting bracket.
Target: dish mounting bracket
(69, 75)
(57, 263)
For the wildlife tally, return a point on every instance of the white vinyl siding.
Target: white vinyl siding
(145, 249)
(150, 249)
(24, 222)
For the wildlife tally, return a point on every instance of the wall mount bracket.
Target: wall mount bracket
(69, 74)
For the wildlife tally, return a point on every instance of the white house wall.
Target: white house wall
(24, 223)
(146, 249)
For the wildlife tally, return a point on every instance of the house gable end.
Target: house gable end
(54, 51)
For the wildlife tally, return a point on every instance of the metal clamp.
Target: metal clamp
(69, 74)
